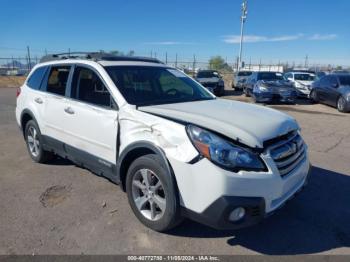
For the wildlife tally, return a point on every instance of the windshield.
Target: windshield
(244, 73)
(145, 85)
(270, 76)
(207, 74)
(304, 77)
(344, 80)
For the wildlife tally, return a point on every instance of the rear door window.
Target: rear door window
(344, 80)
(36, 78)
(57, 81)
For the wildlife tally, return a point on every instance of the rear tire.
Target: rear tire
(34, 143)
(152, 193)
(341, 105)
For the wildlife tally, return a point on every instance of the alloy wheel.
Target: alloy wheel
(341, 104)
(33, 141)
(148, 194)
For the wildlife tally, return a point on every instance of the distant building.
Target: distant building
(9, 71)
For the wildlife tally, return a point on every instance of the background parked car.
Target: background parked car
(269, 87)
(212, 80)
(301, 81)
(239, 78)
(334, 90)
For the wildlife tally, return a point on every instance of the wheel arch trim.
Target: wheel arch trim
(135, 150)
(31, 114)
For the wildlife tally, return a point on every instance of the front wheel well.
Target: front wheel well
(128, 159)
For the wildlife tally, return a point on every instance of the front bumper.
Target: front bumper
(303, 92)
(271, 97)
(208, 194)
(217, 214)
(215, 88)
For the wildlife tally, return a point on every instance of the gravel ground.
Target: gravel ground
(62, 209)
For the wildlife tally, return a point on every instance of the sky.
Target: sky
(275, 30)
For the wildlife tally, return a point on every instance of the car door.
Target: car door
(331, 91)
(55, 95)
(36, 97)
(322, 88)
(92, 119)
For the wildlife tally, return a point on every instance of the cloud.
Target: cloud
(235, 39)
(323, 37)
(169, 43)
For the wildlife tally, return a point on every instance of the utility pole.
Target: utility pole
(29, 62)
(194, 65)
(243, 19)
(166, 58)
(259, 64)
(176, 60)
(306, 61)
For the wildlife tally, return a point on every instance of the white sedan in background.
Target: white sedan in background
(302, 82)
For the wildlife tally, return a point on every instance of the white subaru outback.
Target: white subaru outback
(176, 149)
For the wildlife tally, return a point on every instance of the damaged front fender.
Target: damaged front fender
(169, 136)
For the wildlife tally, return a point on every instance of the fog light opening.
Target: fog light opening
(237, 214)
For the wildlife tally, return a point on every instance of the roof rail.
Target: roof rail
(96, 56)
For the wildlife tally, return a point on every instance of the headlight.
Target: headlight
(222, 152)
(260, 88)
(296, 84)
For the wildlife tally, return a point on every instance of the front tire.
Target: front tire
(152, 193)
(314, 97)
(34, 143)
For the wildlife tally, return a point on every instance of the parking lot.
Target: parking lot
(59, 208)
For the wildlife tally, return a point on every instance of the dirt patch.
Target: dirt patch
(11, 81)
(54, 195)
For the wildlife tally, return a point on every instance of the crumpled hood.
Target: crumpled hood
(246, 123)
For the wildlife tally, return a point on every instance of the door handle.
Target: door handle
(38, 100)
(69, 110)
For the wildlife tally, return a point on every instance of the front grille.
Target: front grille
(255, 211)
(288, 154)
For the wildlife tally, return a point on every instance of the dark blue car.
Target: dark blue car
(266, 87)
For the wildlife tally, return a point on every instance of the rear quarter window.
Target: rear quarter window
(36, 78)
